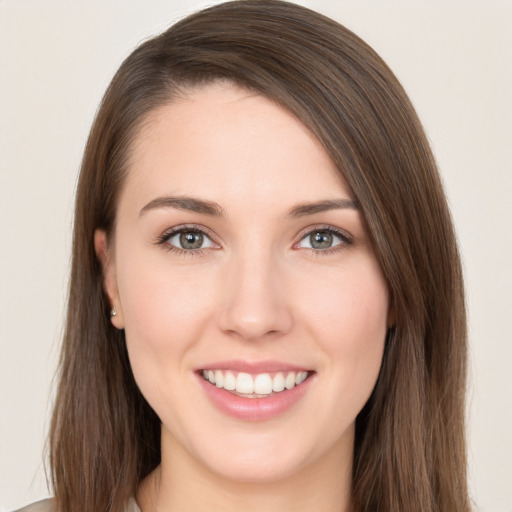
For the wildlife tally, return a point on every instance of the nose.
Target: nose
(255, 303)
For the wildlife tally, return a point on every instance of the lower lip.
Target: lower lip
(254, 409)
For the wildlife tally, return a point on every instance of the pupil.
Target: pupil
(191, 240)
(321, 240)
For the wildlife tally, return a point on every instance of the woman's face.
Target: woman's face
(241, 258)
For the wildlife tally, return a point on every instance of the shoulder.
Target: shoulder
(47, 505)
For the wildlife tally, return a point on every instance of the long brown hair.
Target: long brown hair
(410, 448)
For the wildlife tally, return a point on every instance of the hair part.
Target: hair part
(409, 453)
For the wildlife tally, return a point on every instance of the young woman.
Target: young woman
(266, 308)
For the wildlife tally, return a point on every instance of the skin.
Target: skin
(257, 291)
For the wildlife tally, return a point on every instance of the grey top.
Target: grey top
(49, 505)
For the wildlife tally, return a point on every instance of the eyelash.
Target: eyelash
(345, 240)
(163, 239)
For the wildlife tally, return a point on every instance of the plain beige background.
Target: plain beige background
(56, 59)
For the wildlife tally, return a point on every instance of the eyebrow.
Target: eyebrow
(322, 206)
(185, 203)
(215, 210)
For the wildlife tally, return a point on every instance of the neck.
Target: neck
(182, 483)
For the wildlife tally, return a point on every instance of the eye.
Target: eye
(323, 239)
(187, 239)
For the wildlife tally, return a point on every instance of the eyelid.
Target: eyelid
(344, 236)
(169, 233)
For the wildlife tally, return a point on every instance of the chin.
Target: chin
(248, 469)
(256, 458)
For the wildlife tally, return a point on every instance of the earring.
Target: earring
(113, 312)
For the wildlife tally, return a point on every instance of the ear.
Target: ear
(105, 257)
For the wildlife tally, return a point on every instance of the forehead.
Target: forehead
(229, 144)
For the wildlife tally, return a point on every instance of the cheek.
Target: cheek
(349, 322)
(165, 306)
(353, 304)
(166, 310)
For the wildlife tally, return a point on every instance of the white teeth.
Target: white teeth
(219, 379)
(300, 378)
(261, 384)
(278, 382)
(244, 383)
(229, 381)
(289, 382)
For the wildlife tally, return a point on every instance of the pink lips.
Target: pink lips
(254, 367)
(253, 409)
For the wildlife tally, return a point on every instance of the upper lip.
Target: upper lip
(254, 367)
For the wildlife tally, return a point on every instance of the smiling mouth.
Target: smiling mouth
(261, 385)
